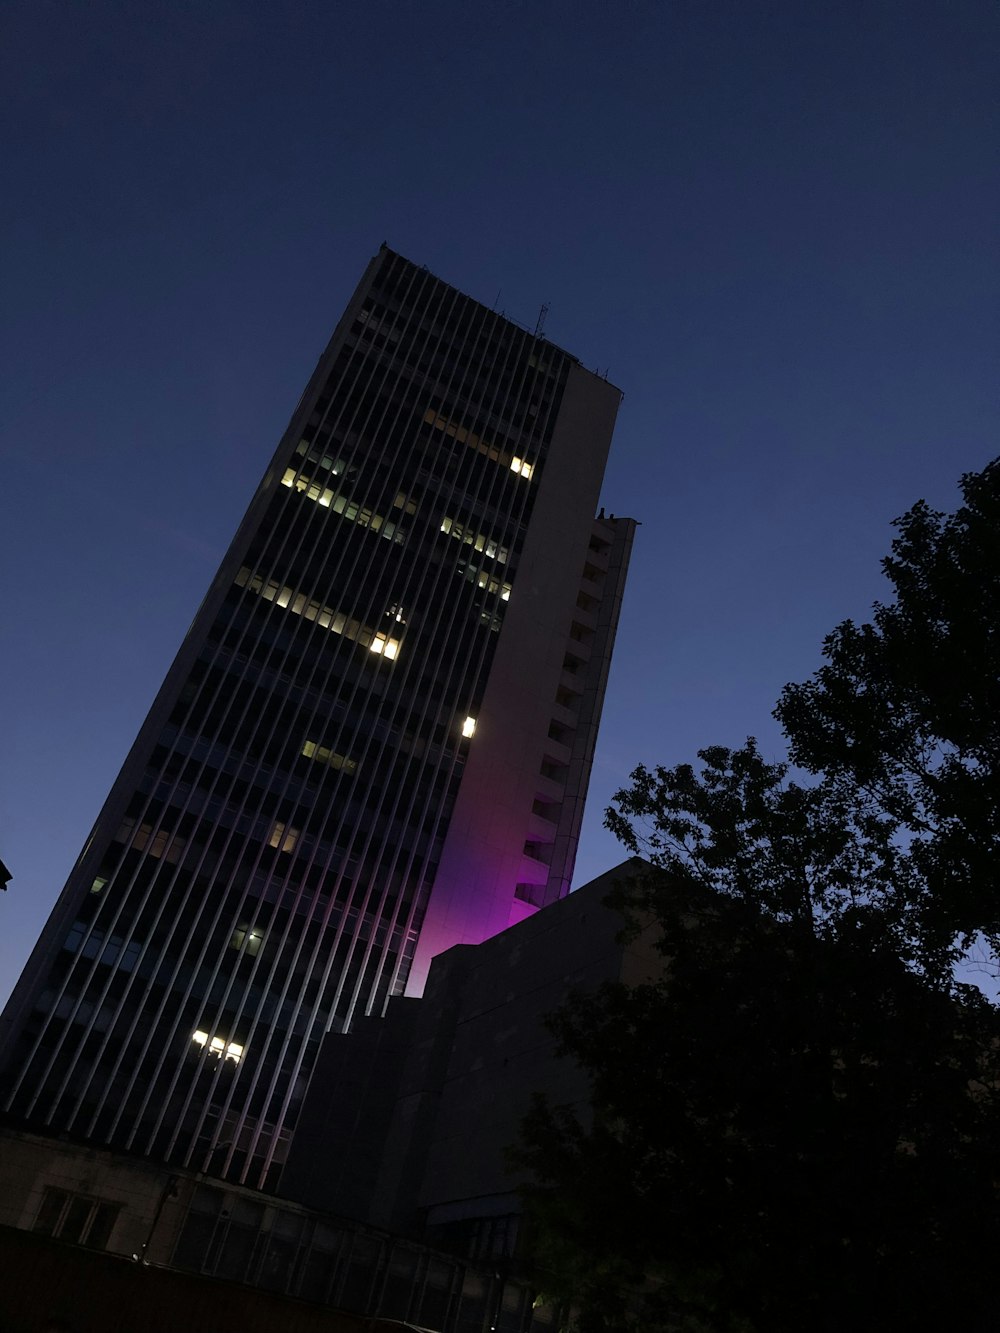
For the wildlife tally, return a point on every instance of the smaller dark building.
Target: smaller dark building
(408, 1118)
(98, 1240)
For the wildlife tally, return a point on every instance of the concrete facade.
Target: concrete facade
(101, 1240)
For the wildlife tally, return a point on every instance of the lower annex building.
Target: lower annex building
(374, 742)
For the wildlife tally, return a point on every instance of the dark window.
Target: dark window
(76, 1218)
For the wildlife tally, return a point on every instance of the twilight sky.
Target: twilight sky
(774, 222)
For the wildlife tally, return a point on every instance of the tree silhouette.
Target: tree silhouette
(796, 1127)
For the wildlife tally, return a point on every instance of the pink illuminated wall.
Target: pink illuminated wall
(497, 839)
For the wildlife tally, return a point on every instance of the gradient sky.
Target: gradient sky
(773, 222)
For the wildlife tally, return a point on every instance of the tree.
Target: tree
(906, 714)
(797, 1125)
(791, 1129)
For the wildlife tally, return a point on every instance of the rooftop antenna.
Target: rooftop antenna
(497, 301)
(541, 321)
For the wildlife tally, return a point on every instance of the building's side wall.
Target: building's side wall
(480, 1050)
(411, 1126)
(503, 1053)
(598, 609)
(484, 857)
(337, 1147)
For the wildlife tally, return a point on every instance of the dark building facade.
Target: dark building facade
(373, 744)
(408, 1119)
(219, 1258)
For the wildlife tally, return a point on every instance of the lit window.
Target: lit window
(469, 726)
(520, 466)
(284, 838)
(322, 755)
(218, 1046)
(251, 936)
(385, 647)
(99, 883)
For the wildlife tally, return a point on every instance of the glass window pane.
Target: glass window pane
(50, 1212)
(76, 1218)
(101, 1225)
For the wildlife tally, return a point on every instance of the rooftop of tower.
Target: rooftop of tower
(535, 332)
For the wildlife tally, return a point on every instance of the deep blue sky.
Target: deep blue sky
(774, 224)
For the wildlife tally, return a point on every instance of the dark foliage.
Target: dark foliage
(906, 714)
(797, 1126)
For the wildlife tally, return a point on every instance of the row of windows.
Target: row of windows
(162, 844)
(215, 813)
(465, 436)
(376, 641)
(122, 953)
(456, 340)
(487, 348)
(168, 956)
(198, 761)
(76, 1217)
(248, 769)
(239, 1238)
(324, 461)
(238, 712)
(479, 541)
(495, 587)
(350, 398)
(323, 755)
(218, 1046)
(523, 399)
(350, 509)
(376, 324)
(318, 446)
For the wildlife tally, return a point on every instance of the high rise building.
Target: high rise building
(374, 742)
